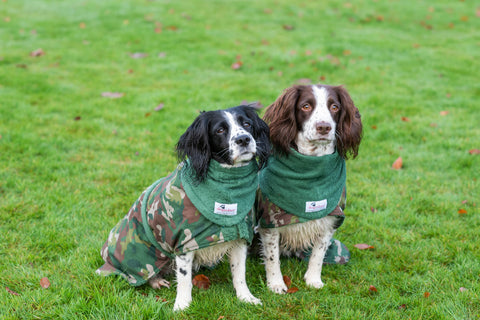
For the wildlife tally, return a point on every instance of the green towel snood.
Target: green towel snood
(306, 186)
(226, 195)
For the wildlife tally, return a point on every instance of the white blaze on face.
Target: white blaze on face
(239, 153)
(309, 140)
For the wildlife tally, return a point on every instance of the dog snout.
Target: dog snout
(323, 127)
(242, 140)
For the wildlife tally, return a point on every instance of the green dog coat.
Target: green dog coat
(297, 188)
(178, 214)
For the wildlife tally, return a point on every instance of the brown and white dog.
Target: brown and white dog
(315, 120)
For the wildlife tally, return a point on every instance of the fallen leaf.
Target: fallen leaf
(11, 292)
(433, 125)
(347, 52)
(372, 289)
(237, 65)
(464, 18)
(363, 246)
(157, 298)
(444, 113)
(474, 151)
(44, 282)
(292, 290)
(287, 27)
(322, 78)
(172, 28)
(373, 209)
(405, 119)
(138, 55)
(397, 164)
(159, 107)
(82, 25)
(402, 307)
(77, 118)
(426, 294)
(287, 280)
(374, 127)
(221, 317)
(462, 211)
(37, 53)
(148, 114)
(113, 95)
(201, 281)
(304, 81)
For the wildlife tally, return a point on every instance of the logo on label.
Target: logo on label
(315, 206)
(225, 209)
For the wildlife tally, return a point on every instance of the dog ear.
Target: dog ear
(349, 127)
(261, 134)
(194, 145)
(281, 119)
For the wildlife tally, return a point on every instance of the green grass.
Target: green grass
(65, 181)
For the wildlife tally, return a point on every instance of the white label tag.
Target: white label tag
(314, 206)
(225, 209)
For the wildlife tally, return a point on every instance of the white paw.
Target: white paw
(279, 288)
(181, 305)
(250, 299)
(315, 283)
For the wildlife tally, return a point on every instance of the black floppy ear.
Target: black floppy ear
(261, 133)
(194, 145)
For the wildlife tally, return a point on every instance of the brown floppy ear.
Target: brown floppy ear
(280, 116)
(349, 126)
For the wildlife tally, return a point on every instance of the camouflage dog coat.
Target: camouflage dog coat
(170, 219)
(298, 188)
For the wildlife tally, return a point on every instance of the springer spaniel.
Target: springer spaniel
(313, 120)
(146, 244)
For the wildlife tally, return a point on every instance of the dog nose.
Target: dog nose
(323, 127)
(242, 140)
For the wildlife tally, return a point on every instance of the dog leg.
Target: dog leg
(271, 257)
(313, 276)
(183, 271)
(238, 257)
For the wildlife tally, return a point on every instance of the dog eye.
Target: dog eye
(334, 107)
(220, 130)
(246, 125)
(307, 107)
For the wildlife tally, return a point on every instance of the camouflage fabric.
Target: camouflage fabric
(140, 246)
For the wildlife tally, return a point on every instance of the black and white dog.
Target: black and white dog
(313, 121)
(142, 247)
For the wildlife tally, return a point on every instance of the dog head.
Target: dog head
(315, 119)
(232, 137)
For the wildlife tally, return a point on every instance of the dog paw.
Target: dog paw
(315, 283)
(181, 305)
(157, 283)
(250, 299)
(279, 288)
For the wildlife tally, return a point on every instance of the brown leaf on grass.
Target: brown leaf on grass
(148, 114)
(138, 55)
(405, 119)
(113, 95)
(397, 164)
(237, 65)
(201, 281)
(363, 246)
(402, 307)
(304, 81)
(77, 118)
(37, 53)
(287, 280)
(374, 127)
(426, 294)
(464, 18)
(11, 291)
(172, 28)
(462, 211)
(444, 113)
(372, 289)
(45, 283)
(292, 290)
(221, 317)
(288, 27)
(157, 298)
(82, 25)
(474, 151)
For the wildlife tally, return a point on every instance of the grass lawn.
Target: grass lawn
(80, 138)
